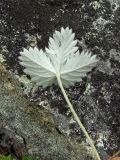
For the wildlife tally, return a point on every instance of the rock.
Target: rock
(32, 126)
(96, 99)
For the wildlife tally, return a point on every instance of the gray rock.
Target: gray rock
(97, 98)
(33, 126)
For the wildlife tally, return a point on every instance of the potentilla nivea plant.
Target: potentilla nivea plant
(62, 64)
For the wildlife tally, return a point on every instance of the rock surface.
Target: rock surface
(97, 98)
(32, 126)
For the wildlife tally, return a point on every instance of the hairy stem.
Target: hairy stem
(77, 118)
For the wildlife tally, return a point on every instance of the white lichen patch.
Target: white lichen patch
(115, 3)
(105, 67)
(26, 82)
(115, 55)
(89, 89)
(100, 23)
(1, 58)
(106, 94)
(102, 138)
(23, 79)
(9, 86)
(96, 5)
(32, 39)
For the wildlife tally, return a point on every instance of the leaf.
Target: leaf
(76, 67)
(61, 58)
(10, 158)
(38, 66)
(61, 45)
(5, 157)
(28, 158)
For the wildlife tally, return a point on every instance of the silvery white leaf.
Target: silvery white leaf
(61, 58)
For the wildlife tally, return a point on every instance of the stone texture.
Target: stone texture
(32, 126)
(97, 26)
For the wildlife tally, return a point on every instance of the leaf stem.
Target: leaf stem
(77, 118)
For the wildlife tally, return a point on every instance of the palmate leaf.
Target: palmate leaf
(61, 58)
